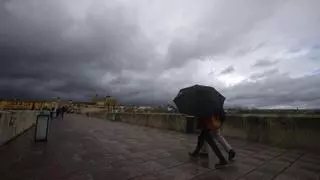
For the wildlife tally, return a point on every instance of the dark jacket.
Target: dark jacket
(222, 116)
(207, 122)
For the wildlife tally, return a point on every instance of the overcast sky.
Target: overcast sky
(257, 53)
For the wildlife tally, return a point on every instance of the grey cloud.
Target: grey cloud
(279, 90)
(264, 63)
(264, 74)
(45, 46)
(53, 51)
(241, 51)
(219, 35)
(228, 70)
(317, 46)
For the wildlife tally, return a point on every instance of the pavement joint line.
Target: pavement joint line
(214, 170)
(169, 167)
(71, 137)
(243, 158)
(284, 169)
(157, 171)
(240, 159)
(155, 159)
(261, 165)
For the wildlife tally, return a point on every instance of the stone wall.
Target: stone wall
(299, 131)
(176, 122)
(90, 110)
(13, 123)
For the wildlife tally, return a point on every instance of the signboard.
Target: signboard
(42, 127)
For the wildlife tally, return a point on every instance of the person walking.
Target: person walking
(58, 113)
(218, 122)
(206, 125)
(63, 110)
(202, 102)
(51, 113)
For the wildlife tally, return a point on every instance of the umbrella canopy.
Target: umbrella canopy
(199, 100)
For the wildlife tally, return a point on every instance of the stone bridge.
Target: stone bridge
(91, 148)
(288, 131)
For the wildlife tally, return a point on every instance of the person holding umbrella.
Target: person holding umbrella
(203, 102)
(218, 123)
(206, 125)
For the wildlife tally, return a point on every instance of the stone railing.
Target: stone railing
(300, 131)
(176, 122)
(13, 123)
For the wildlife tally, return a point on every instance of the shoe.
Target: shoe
(203, 155)
(193, 155)
(232, 154)
(222, 164)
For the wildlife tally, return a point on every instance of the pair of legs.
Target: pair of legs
(58, 116)
(206, 135)
(226, 146)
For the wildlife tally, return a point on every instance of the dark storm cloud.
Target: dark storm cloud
(141, 55)
(228, 70)
(220, 31)
(47, 45)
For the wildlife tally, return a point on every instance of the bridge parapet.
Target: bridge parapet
(296, 131)
(13, 123)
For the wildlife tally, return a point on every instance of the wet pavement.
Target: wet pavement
(81, 148)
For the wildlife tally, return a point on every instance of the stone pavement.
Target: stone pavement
(81, 148)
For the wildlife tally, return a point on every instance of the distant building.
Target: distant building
(25, 104)
(106, 102)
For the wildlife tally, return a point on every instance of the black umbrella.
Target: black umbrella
(199, 100)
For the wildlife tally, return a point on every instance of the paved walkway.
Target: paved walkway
(81, 148)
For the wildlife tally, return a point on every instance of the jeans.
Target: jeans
(206, 135)
(221, 140)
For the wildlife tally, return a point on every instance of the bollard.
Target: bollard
(42, 128)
